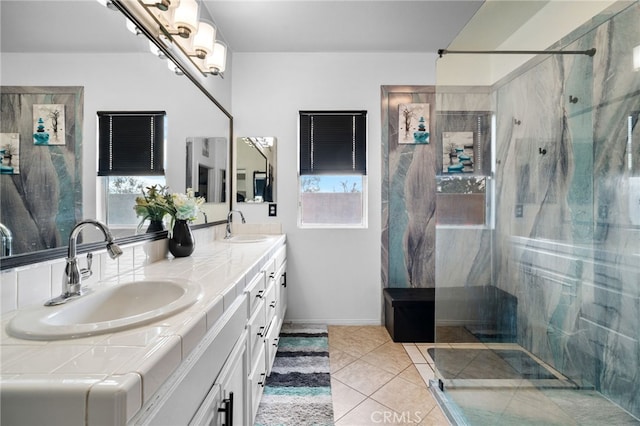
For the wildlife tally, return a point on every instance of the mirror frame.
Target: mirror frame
(14, 261)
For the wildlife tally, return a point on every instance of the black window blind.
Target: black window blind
(131, 143)
(333, 142)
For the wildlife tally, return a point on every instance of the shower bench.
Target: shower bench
(410, 314)
(486, 312)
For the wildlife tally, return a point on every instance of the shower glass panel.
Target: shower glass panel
(538, 295)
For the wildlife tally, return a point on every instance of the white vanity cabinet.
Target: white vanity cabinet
(264, 328)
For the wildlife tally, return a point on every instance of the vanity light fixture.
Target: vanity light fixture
(259, 142)
(179, 28)
(163, 5)
(133, 28)
(157, 52)
(108, 4)
(173, 67)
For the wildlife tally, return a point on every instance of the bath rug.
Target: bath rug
(298, 391)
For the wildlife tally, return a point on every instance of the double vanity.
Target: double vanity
(178, 341)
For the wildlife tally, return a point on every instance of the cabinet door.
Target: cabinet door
(282, 290)
(234, 388)
(257, 380)
(209, 413)
(226, 402)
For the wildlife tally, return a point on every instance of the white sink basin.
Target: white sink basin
(115, 308)
(247, 238)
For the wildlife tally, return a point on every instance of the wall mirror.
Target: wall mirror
(255, 169)
(88, 46)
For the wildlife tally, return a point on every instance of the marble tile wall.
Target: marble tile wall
(408, 195)
(409, 247)
(566, 241)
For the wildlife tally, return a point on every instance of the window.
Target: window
(130, 157)
(121, 193)
(333, 169)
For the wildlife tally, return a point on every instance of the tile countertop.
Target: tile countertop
(130, 365)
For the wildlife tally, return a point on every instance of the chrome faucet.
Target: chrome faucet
(229, 218)
(6, 246)
(73, 275)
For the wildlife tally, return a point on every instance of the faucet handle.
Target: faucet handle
(87, 272)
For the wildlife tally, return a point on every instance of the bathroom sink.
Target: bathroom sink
(107, 310)
(247, 238)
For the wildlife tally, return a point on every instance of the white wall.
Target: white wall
(333, 275)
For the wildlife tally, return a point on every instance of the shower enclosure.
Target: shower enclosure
(538, 217)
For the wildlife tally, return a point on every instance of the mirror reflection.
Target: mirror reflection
(207, 167)
(116, 71)
(255, 169)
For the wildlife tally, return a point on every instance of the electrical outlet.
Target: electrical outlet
(273, 211)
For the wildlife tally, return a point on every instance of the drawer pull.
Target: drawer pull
(283, 278)
(261, 332)
(263, 376)
(227, 410)
(273, 304)
(260, 294)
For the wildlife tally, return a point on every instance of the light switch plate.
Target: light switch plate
(273, 211)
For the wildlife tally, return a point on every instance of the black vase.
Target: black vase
(155, 226)
(181, 243)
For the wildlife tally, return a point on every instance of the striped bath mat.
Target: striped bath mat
(298, 391)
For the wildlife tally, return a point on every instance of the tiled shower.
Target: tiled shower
(538, 303)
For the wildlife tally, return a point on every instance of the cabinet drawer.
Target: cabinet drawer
(256, 382)
(271, 343)
(257, 328)
(270, 268)
(271, 302)
(255, 292)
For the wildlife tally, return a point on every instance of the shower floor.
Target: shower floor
(503, 384)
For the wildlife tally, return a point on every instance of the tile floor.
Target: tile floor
(376, 381)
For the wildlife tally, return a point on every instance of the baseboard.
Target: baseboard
(330, 321)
